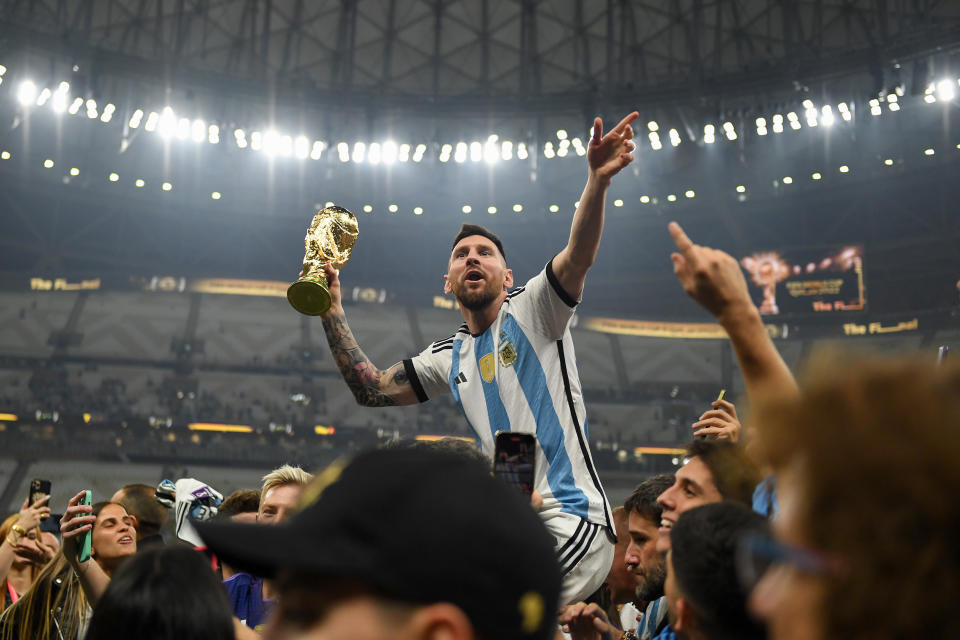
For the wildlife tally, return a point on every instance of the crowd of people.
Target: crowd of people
(831, 512)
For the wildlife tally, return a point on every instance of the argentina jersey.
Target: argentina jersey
(521, 375)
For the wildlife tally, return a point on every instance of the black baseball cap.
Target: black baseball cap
(418, 526)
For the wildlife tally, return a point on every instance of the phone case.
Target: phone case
(87, 540)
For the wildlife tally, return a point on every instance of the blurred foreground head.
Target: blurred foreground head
(868, 468)
(404, 544)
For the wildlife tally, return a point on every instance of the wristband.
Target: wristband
(17, 529)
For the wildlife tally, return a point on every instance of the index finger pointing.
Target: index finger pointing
(626, 121)
(684, 244)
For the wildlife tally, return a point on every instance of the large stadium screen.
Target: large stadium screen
(806, 280)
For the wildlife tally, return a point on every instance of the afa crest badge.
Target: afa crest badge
(507, 352)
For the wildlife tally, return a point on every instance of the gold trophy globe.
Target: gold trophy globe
(330, 239)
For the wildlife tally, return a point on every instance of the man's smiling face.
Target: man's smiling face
(477, 274)
(692, 487)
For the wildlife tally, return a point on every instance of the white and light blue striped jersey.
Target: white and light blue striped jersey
(521, 375)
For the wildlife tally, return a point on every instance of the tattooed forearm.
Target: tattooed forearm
(363, 378)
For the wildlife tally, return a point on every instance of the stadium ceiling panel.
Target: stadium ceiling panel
(463, 53)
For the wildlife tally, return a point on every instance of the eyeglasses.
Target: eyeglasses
(757, 554)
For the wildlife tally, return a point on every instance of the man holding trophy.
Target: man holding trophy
(510, 366)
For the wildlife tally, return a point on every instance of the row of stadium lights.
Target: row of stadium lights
(272, 143)
(492, 209)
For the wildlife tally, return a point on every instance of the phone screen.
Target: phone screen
(515, 456)
(38, 489)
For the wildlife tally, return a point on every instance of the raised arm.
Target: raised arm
(606, 156)
(28, 518)
(77, 520)
(372, 387)
(714, 279)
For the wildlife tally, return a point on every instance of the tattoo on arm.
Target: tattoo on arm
(363, 378)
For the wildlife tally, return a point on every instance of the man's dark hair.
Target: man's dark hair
(240, 501)
(467, 450)
(166, 593)
(643, 500)
(477, 230)
(734, 475)
(703, 548)
(140, 500)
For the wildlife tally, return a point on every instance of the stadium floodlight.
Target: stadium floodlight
(826, 115)
(215, 195)
(402, 151)
(506, 150)
(741, 188)
(256, 140)
(729, 131)
(418, 211)
(844, 169)
(367, 208)
(928, 152)
(135, 119)
(198, 131)
(286, 145)
(674, 137)
(75, 106)
(578, 147)
(563, 150)
(811, 116)
(74, 171)
(553, 208)
(59, 103)
(522, 153)
(644, 199)
(343, 151)
(491, 210)
(653, 126)
(113, 177)
(460, 152)
(418, 152)
(808, 104)
(139, 182)
(166, 186)
(48, 163)
(618, 202)
(167, 126)
(672, 198)
(445, 151)
(517, 208)
(92, 109)
(476, 151)
(4, 155)
(316, 152)
(373, 155)
(3, 70)
(270, 143)
(708, 133)
(690, 193)
(777, 123)
(183, 128)
(359, 151)
(875, 107)
(213, 134)
(466, 208)
(152, 121)
(945, 90)
(26, 92)
(43, 97)
(241, 138)
(561, 134)
(654, 140)
(816, 175)
(301, 147)
(787, 180)
(888, 162)
(388, 152)
(108, 111)
(548, 150)
(761, 123)
(491, 149)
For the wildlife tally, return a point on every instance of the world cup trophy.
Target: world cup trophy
(330, 239)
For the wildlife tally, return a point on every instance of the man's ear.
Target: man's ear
(684, 621)
(440, 621)
(446, 285)
(136, 521)
(508, 278)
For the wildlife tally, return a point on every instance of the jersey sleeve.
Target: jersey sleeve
(543, 305)
(429, 372)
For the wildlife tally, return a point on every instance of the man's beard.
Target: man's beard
(651, 583)
(476, 300)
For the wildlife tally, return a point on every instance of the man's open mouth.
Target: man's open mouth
(473, 276)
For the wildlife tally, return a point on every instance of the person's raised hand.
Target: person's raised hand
(31, 515)
(608, 154)
(710, 276)
(333, 282)
(587, 622)
(76, 520)
(719, 423)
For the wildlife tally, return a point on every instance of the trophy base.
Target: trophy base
(310, 295)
